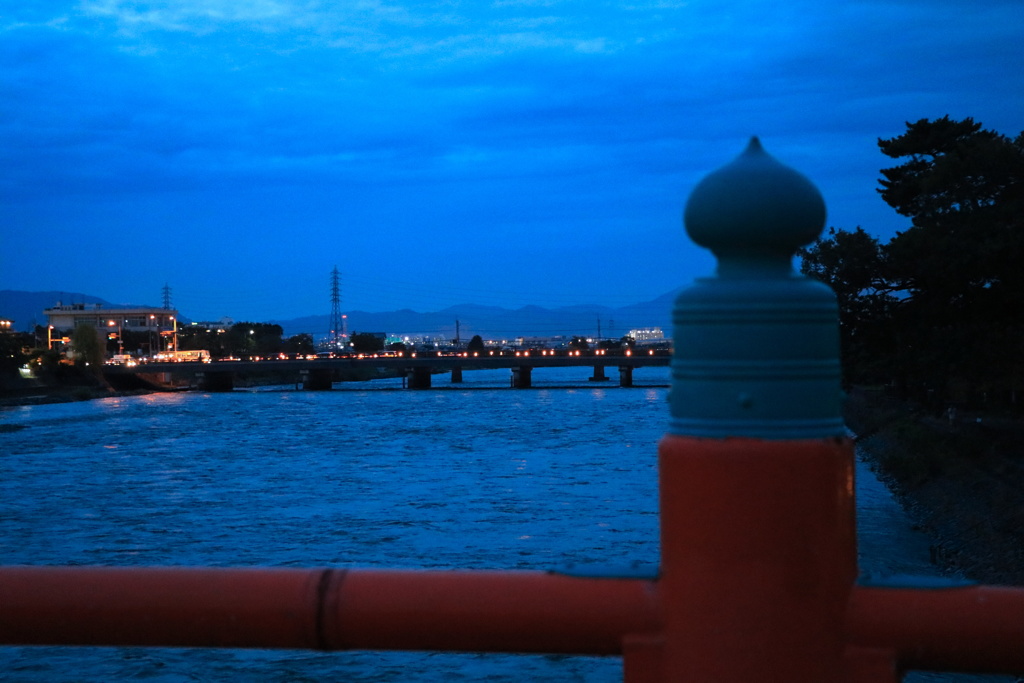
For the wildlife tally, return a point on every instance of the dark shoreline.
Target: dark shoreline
(61, 394)
(960, 480)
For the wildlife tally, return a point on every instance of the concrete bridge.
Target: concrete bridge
(417, 369)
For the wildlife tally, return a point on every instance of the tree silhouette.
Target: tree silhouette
(88, 350)
(579, 344)
(936, 310)
(365, 342)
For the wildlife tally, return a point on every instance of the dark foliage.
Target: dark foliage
(579, 344)
(299, 344)
(938, 311)
(366, 342)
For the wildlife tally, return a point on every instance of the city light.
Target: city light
(120, 336)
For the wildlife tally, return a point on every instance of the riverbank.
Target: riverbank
(960, 478)
(60, 394)
(71, 385)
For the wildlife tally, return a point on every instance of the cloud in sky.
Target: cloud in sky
(512, 152)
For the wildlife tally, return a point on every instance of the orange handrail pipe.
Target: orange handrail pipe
(973, 628)
(325, 609)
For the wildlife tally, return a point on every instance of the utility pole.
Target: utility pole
(336, 317)
(599, 329)
(457, 339)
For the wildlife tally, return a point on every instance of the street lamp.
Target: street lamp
(120, 336)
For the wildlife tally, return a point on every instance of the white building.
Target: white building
(647, 334)
(158, 326)
(141, 319)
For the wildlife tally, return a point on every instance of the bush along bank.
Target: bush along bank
(960, 477)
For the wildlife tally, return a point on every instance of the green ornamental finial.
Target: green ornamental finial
(757, 346)
(754, 212)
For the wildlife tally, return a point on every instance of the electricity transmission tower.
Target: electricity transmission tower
(167, 296)
(336, 336)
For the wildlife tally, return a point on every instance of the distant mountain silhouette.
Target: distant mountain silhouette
(493, 322)
(490, 322)
(26, 308)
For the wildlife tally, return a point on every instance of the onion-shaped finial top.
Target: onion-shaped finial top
(754, 213)
(756, 349)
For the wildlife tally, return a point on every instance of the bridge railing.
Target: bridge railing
(758, 576)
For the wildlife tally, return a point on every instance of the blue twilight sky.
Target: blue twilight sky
(508, 152)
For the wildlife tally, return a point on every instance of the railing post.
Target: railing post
(757, 515)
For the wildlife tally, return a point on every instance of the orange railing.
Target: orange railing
(325, 609)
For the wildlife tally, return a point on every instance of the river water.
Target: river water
(368, 475)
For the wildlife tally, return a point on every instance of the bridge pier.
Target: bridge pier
(625, 376)
(522, 377)
(215, 381)
(457, 374)
(418, 378)
(599, 375)
(316, 380)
